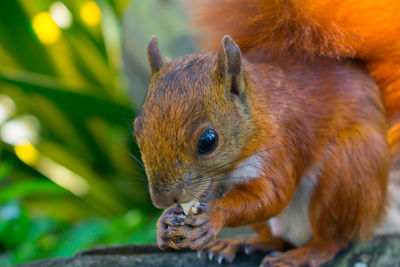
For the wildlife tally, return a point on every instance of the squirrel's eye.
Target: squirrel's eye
(207, 142)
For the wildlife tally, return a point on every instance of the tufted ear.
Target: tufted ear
(156, 59)
(229, 64)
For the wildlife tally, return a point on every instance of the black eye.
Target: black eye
(207, 142)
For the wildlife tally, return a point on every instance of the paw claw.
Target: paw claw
(275, 259)
(220, 259)
(266, 264)
(211, 256)
(273, 254)
(181, 216)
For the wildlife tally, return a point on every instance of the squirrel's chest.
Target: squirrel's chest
(247, 170)
(293, 223)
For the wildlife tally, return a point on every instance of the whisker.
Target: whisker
(132, 182)
(225, 165)
(142, 178)
(200, 182)
(141, 165)
(120, 167)
(133, 156)
(265, 150)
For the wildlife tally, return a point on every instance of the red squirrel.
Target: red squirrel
(283, 130)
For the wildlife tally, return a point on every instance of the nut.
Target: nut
(190, 207)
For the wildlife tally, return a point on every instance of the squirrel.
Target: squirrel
(290, 129)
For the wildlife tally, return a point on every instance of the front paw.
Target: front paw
(223, 250)
(276, 259)
(171, 229)
(201, 236)
(205, 227)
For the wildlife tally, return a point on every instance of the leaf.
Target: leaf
(29, 188)
(61, 95)
(82, 236)
(5, 168)
(19, 41)
(14, 224)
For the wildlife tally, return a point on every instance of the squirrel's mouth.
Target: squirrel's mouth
(213, 191)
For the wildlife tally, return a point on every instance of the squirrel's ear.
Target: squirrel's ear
(156, 59)
(229, 62)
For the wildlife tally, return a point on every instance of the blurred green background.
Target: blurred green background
(73, 74)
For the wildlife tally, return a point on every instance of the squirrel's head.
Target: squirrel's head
(194, 124)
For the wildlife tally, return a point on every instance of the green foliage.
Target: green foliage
(32, 238)
(80, 95)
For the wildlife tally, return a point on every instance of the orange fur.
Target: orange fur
(301, 96)
(337, 134)
(368, 30)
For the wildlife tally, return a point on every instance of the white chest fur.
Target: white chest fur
(293, 223)
(248, 169)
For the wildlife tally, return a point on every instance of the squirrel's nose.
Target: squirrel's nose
(165, 195)
(163, 198)
(163, 201)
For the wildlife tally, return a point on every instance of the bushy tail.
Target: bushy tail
(368, 30)
(394, 138)
(284, 25)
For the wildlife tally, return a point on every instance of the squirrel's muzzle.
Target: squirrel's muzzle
(164, 196)
(163, 201)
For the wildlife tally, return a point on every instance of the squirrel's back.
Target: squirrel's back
(366, 30)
